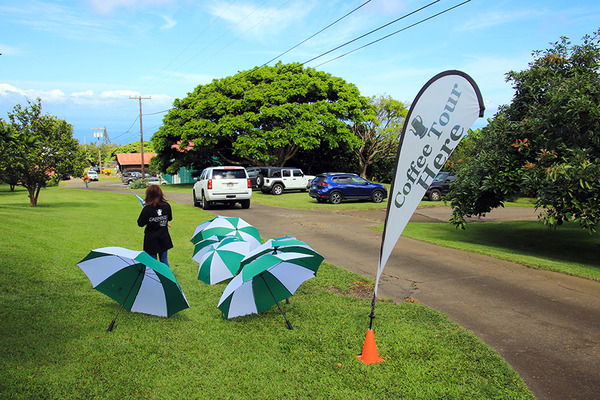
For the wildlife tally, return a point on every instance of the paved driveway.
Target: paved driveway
(545, 325)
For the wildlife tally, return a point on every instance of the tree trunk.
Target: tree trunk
(363, 170)
(34, 193)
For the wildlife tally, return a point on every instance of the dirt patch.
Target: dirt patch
(360, 290)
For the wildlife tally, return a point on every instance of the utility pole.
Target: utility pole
(98, 134)
(140, 98)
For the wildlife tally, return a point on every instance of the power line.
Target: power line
(217, 39)
(287, 51)
(229, 6)
(392, 34)
(373, 31)
(193, 41)
(128, 129)
(248, 30)
(358, 38)
(312, 36)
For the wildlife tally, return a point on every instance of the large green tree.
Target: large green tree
(39, 148)
(8, 174)
(546, 143)
(263, 116)
(380, 133)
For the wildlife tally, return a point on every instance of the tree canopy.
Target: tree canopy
(37, 148)
(545, 144)
(380, 133)
(263, 116)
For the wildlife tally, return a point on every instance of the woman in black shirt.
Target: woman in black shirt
(156, 215)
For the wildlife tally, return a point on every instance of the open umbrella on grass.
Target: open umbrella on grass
(135, 280)
(286, 244)
(221, 260)
(266, 281)
(204, 245)
(233, 226)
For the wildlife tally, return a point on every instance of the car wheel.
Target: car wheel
(205, 204)
(277, 189)
(195, 199)
(435, 195)
(245, 204)
(377, 196)
(259, 181)
(335, 197)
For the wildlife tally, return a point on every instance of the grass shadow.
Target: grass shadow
(518, 241)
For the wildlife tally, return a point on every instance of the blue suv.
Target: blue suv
(335, 187)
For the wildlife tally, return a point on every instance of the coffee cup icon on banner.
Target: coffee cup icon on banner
(418, 129)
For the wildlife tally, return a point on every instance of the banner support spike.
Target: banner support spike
(372, 315)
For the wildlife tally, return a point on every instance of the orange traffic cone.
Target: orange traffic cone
(369, 354)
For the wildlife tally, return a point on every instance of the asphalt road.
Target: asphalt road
(545, 325)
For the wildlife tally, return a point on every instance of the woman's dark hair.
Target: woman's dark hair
(154, 196)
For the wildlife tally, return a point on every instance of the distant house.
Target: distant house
(129, 162)
(184, 175)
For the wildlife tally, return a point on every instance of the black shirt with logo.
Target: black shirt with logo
(156, 234)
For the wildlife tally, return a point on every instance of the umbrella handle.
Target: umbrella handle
(112, 324)
(289, 325)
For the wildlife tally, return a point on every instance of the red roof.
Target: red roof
(176, 146)
(134, 158)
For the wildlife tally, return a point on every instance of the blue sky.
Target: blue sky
(86, 58)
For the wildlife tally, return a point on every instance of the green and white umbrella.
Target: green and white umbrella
(135, 280)
(221, 260)
(205, 245)
(233, 226)
(285, 244)
(266, 281)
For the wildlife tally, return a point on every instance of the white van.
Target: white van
(228, 185)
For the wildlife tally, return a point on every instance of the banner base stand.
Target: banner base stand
(369, 354)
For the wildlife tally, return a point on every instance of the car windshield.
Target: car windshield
(441, 176)
(229, 174)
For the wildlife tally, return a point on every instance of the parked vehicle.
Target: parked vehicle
(277, 179)
(93, 175)
(155, 180)
(336, 187)
(440, 186)
(228, 185)
(129, 177)
(253, 175)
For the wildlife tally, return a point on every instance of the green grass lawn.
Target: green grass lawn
(55, 345)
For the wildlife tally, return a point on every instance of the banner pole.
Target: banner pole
(372, 315)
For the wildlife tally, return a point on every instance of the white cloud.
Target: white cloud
(6, 89)
(7, 50)
(499, 17)
(87, 93)
(64, 21)
(114, 94)
(86, 97)
(105, 7)
(260, 21)
(169, 23)
(9, 91)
